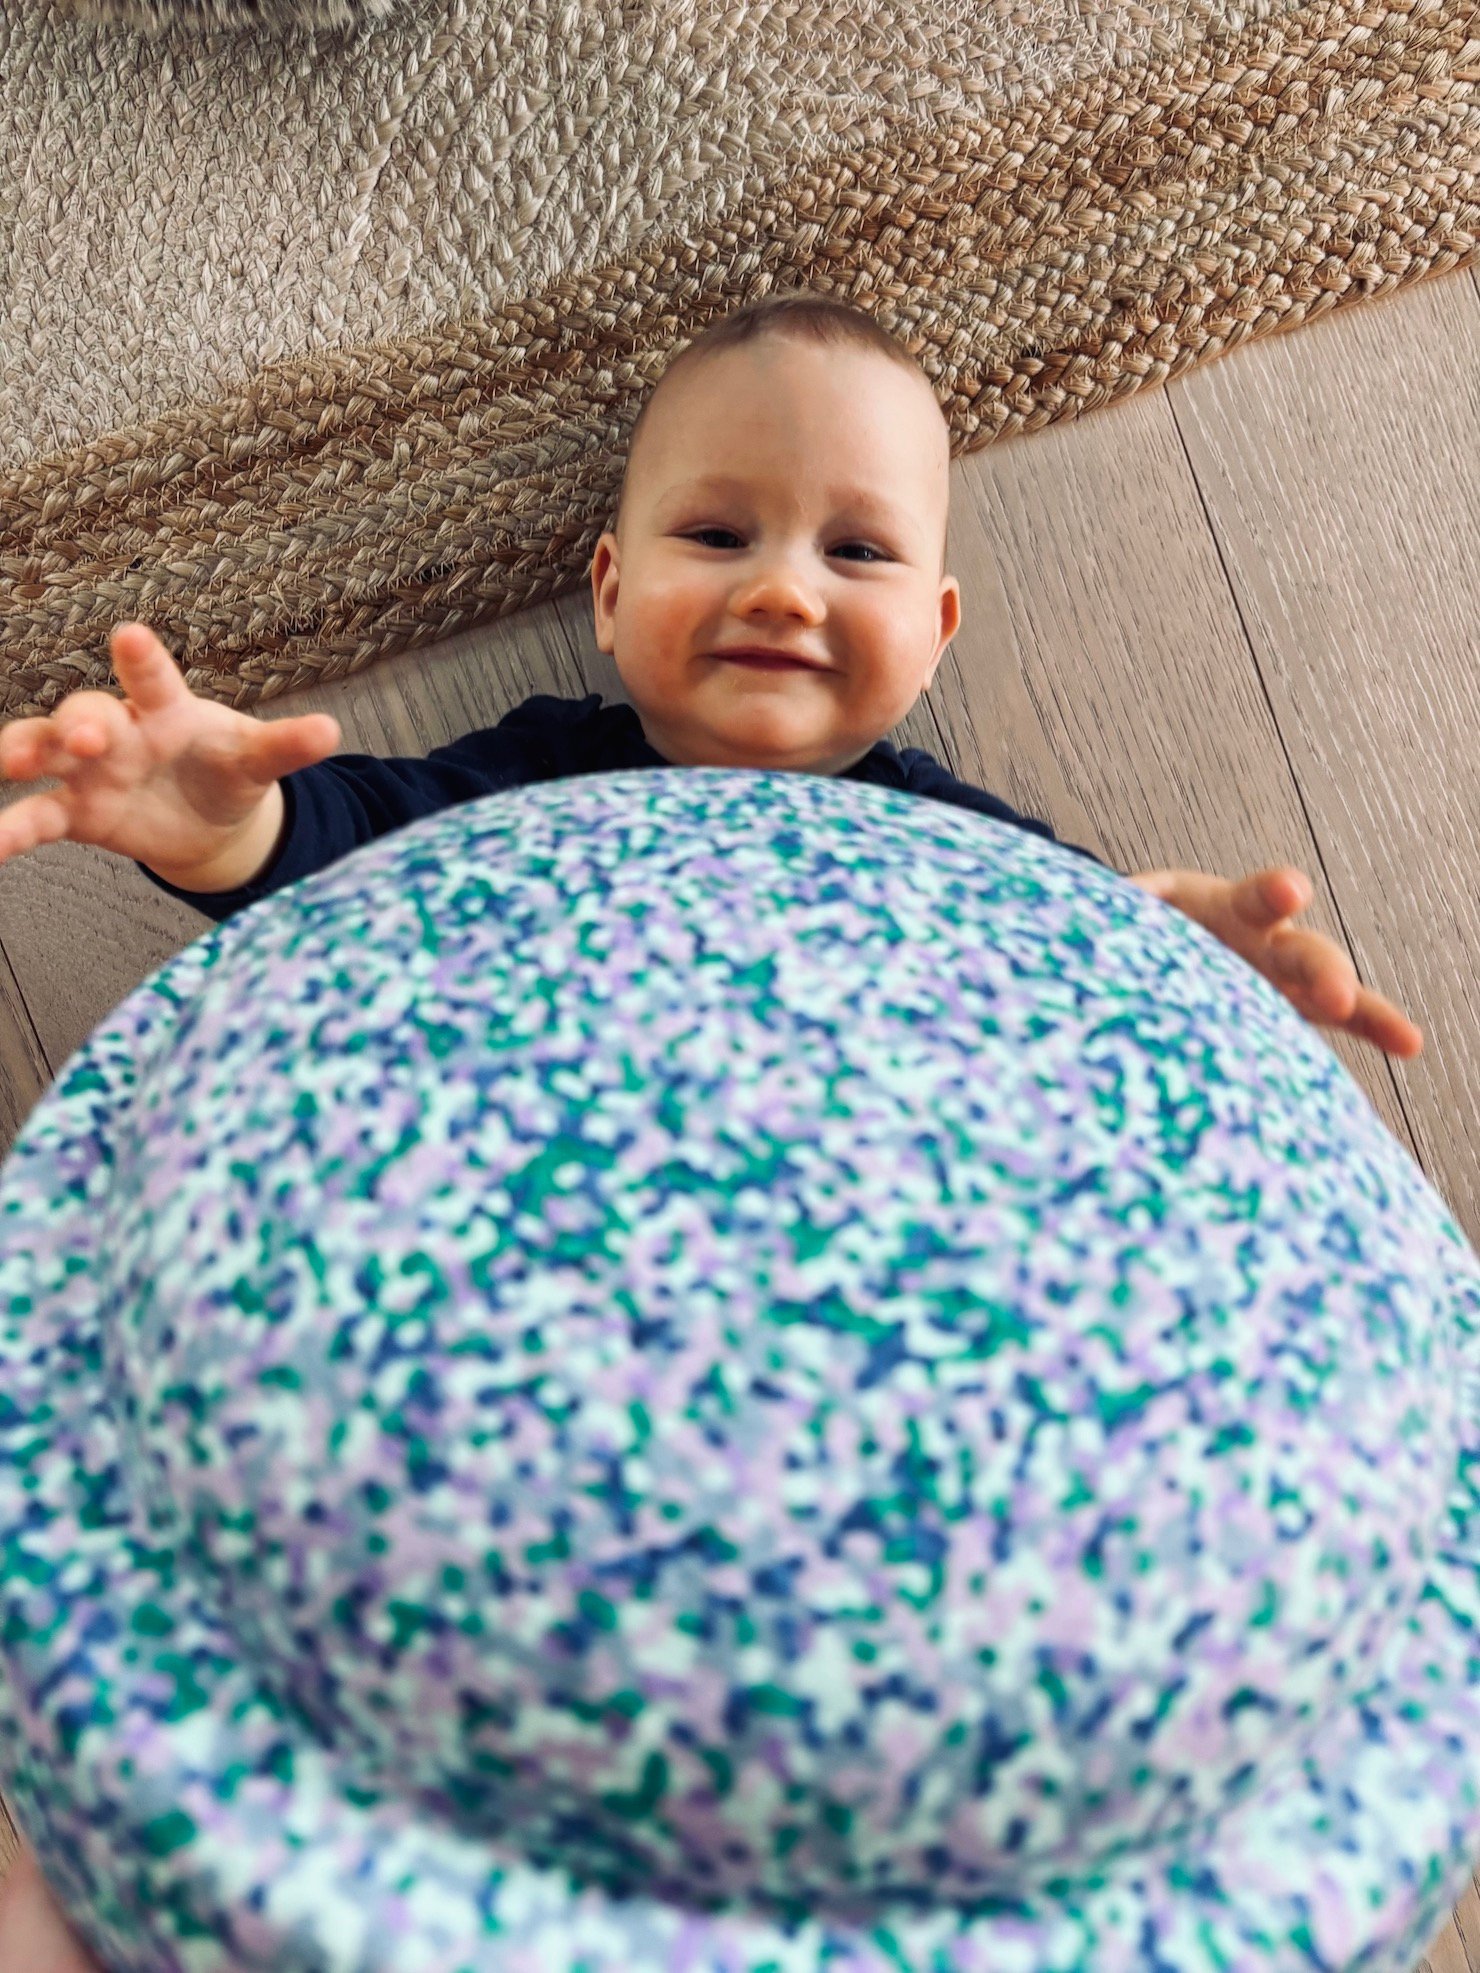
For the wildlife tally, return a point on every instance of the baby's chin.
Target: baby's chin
(751, 743)
(782, 729)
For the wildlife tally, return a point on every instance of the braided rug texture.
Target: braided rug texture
(322, 329)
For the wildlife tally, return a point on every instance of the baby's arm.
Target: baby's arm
(182, 785)
(34, 1935)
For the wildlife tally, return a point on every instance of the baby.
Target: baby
(774, 595)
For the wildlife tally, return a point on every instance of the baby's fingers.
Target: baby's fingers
(19, 744)
(282, 746)
(145, 668)
(83, 727)
(25, 824)
(1376, 1019)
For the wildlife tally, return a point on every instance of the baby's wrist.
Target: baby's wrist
(241, 858)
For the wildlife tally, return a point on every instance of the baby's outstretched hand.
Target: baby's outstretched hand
(1252, 917)
(177, 782)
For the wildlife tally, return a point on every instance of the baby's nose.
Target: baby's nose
(783, 584)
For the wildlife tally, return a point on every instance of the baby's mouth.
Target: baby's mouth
(761, 660)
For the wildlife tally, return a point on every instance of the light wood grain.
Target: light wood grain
(1457, 1948)
(26, 1073)
(1465, 1925)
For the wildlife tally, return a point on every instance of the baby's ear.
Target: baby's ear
(604, 575)
(950, 623)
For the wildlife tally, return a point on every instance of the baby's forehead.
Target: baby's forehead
(670, 446)
(871, 374)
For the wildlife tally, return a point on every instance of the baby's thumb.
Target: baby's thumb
(282, 746)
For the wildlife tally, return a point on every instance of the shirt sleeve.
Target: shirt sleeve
(334, 807)
(926, 776)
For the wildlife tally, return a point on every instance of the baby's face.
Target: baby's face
(792, 497)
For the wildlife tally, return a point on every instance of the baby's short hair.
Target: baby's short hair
(800, 316)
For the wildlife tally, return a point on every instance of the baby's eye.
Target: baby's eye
(698, 534)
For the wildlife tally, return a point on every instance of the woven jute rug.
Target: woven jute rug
(321, 332)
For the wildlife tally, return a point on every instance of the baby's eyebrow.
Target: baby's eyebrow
(857, 500)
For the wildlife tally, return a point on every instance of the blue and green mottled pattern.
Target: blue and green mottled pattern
(697, 1372)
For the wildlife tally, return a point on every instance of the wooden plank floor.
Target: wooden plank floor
(1229, 623)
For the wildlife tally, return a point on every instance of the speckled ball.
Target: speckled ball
(700, 1371)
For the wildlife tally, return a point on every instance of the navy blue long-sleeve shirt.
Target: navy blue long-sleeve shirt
(350, 799)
